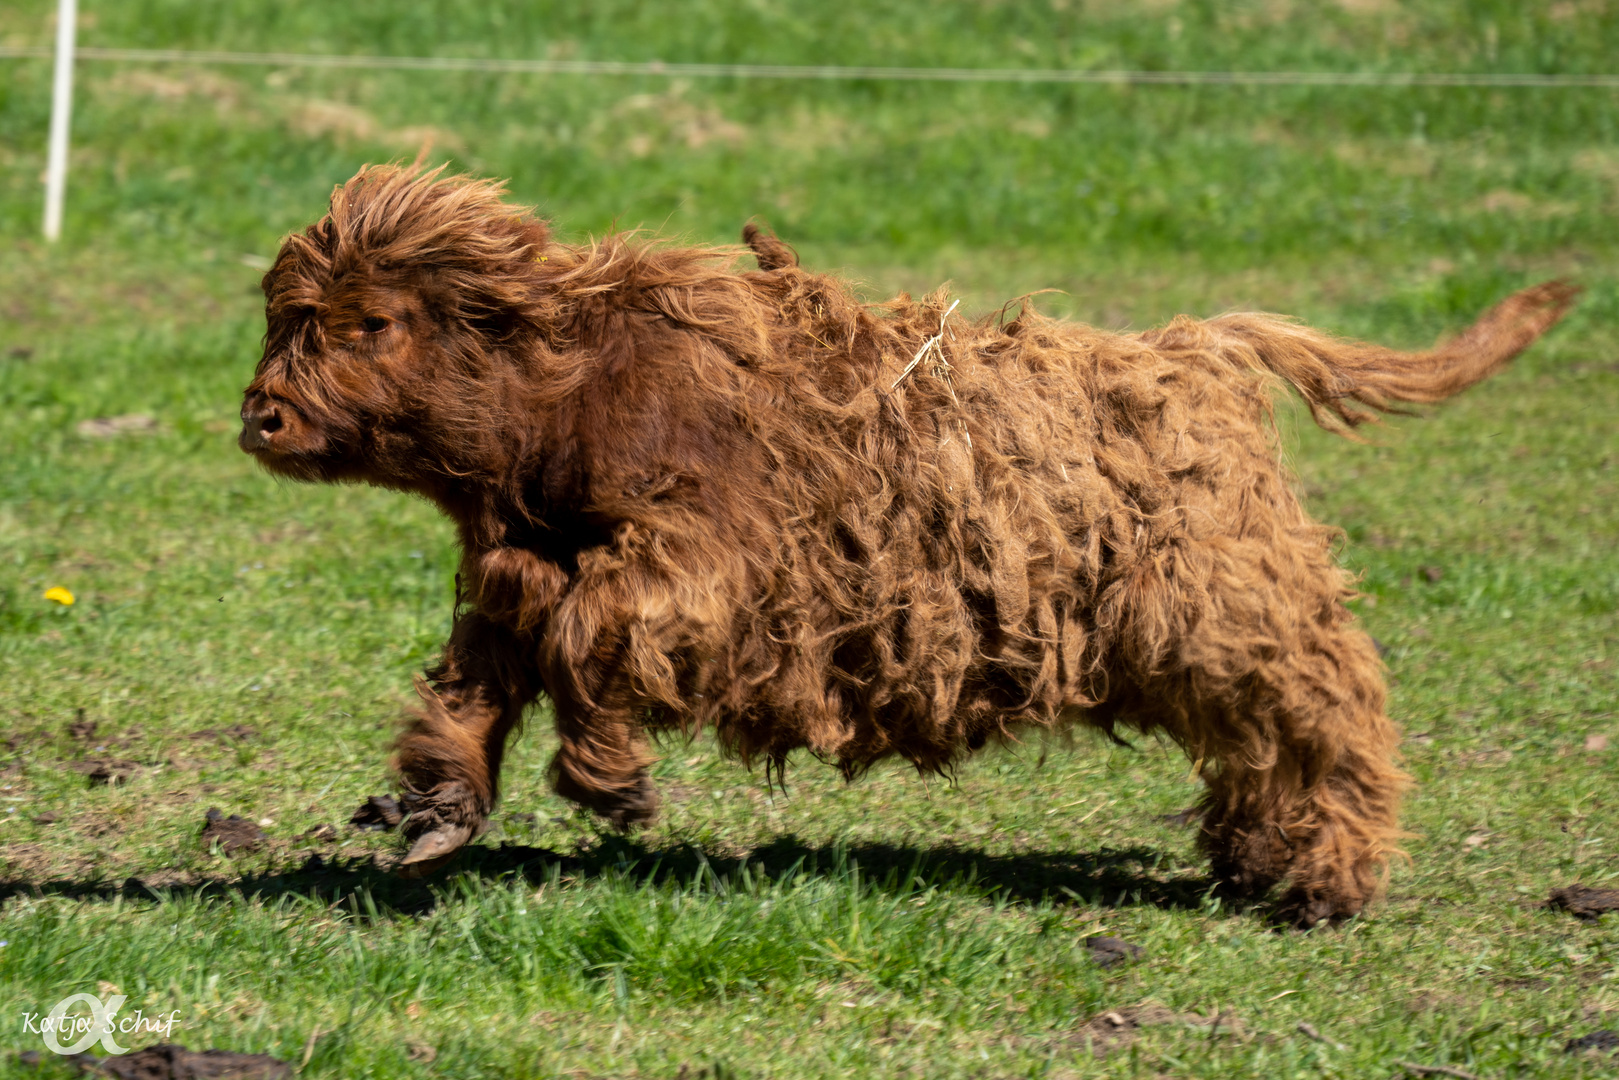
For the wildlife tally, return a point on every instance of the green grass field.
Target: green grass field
(248, 644)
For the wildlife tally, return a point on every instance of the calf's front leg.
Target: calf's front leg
(448, 757)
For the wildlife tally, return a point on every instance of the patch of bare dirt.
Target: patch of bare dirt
(1427, 1001)
(342, 122)
(170, 1061)
(1118, 1028)
(84, 731)
(1111, 951)
(95, 826)
(235, 835)
(24, 860)
(234, 733)
(109, 771)
(1603, 1040)
(1488, 758)
(1583, 902)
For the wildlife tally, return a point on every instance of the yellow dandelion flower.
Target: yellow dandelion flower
(60, 595)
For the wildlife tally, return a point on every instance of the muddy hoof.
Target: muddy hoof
(1303, 911)
(623, 808)
(432, 850)
(1241, 884)
(628, 810)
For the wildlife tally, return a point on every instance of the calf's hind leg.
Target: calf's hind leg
(448, 758)
(1246, 655)
(1302, 782)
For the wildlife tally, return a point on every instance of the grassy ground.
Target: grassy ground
(246, 644)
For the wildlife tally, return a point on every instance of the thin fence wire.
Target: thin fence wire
(826, 72)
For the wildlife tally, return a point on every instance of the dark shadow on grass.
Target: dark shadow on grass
(1112, 877)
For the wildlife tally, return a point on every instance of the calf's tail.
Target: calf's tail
(1332, 374)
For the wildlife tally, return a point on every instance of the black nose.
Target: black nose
(260, 421)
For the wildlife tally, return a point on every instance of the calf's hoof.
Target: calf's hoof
(623, 808)
(433, 849)
(632, 808)
(441, 822)
(1304, 910)
(1241, 883)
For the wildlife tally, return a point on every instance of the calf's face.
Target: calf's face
(344, 387)
(385, 320)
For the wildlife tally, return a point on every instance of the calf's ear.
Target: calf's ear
(772, 253)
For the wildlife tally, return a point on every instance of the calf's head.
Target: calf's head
(393, 324)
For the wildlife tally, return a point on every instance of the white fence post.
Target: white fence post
(67, 15)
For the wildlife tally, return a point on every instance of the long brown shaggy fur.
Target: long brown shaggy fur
(693, 497)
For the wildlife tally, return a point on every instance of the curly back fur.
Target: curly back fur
(691, 497)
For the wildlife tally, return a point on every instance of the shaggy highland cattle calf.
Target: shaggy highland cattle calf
(688, 496)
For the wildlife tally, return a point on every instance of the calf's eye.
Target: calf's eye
(374, 323)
